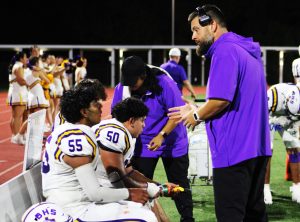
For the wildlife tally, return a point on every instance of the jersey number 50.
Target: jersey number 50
(112, 136)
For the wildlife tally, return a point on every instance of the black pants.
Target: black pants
(176, 171)
(239, 192)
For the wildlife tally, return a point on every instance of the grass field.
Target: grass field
(283, 209)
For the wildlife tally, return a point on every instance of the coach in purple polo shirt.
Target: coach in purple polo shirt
(236, 116)
(177, 71)
(161, 136)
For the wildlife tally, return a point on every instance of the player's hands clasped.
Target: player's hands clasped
(139, 195)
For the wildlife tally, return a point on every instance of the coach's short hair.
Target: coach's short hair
(214, 12)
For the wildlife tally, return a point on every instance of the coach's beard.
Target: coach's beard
(203, 47)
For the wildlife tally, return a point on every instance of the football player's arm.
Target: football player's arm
(138, 176)
(114, 162)
(87, 178)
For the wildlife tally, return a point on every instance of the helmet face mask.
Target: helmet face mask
(45, 212)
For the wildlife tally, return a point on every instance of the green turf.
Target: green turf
(283, 209)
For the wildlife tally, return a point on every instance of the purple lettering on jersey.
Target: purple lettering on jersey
(49, 139)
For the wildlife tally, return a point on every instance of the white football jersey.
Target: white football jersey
(277, 98)
(111, 135)
(60, 184)
(58, 120)
(296, 70)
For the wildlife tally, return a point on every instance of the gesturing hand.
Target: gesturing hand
(189, 120)
(156, 142)
(181, 112)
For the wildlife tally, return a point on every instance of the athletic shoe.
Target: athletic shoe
(296, 193)
(17, 139)
(295, 189)
(14, 139)
(267, 195)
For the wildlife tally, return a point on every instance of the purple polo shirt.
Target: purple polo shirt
(176, 71)
(176, 143)
(241, 131)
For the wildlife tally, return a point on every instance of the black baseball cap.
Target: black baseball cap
(132, 68)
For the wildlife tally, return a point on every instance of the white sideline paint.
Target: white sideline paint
(11, 168)
(3, 123)
(4, 140)
(6, 111)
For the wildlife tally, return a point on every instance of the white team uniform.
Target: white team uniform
(296, 71)
(36, 96)
(58, 120)
(17, 94)
(281, 119)
(112, 135)
(61, 186)
(45, 212)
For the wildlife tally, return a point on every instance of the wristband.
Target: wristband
(163, 133)
(152, 189)
(196, 117)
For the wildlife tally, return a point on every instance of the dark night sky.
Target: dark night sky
(137, 22)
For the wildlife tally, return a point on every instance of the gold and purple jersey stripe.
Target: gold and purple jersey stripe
(68, 133)
(275, 99)
(127, 143)
(58, 154)
(61, 119)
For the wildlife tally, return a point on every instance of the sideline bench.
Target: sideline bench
(19, 193)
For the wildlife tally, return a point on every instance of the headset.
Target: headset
(204, 18)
